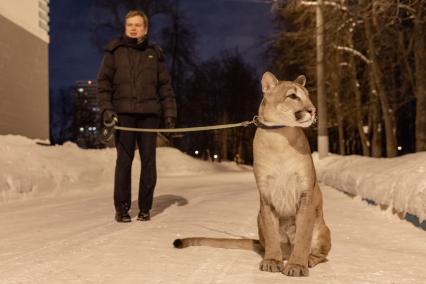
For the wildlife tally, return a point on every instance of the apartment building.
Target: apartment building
(24, 83)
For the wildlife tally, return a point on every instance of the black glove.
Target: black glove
(169, 122)
(108, 116)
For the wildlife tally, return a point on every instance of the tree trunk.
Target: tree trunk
(420, 61)
(340, 129)
(359, 116)
(376, 130)
(338, 97)
(240, 148)
(377, 88)
(359, 120)
(224, 139)
(358, 105)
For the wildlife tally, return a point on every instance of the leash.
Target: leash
(110, 127)
(187, 129)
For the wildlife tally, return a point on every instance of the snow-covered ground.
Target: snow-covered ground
(56, 220)
(398, 183)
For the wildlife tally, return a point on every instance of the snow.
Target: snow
(56, 220)
(29, 170)
(398, 183)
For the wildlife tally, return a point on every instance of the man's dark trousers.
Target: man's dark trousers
(125, 142)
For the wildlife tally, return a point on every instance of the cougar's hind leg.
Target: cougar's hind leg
(321, 245)
(287, 232)
(286, 249)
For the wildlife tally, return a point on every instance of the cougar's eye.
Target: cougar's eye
(293, 97)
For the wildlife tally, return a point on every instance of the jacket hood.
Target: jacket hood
(127, 41)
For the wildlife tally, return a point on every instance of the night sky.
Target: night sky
(219, 25)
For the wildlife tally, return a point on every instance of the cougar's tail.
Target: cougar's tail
(246, 244)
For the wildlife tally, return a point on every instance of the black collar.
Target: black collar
(260, 124)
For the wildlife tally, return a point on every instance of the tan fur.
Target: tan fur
(290, 221)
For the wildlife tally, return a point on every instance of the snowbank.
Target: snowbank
(28, 169)
(399, 183)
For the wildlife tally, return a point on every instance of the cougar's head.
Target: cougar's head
(286, 102)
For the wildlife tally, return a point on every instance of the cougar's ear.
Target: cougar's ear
(301, 80)
(269, 81)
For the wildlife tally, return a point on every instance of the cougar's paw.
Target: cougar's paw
(295, 270)
(314, 260)
(271, 265)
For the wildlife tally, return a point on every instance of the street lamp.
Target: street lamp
(322, 105)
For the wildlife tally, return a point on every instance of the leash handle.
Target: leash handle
(112, 123)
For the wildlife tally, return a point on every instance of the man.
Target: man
(135, 87)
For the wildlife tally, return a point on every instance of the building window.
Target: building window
(43, 14)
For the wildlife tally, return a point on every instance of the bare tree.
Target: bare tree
(376, 78)
(222, 90)
(179, 42)
(420, 71)
(382, 51)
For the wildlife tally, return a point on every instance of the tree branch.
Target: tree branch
(327, 3)
(406, 7)
(353, 52)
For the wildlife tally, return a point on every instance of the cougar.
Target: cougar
(290, 222)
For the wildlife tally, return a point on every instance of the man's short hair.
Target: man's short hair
(134, 13)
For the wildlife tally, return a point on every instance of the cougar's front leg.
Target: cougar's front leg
(297, 264)
(268, 223)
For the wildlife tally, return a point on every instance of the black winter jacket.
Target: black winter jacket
(133, 79)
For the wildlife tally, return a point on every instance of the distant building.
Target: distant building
(87, 117)
(24, 83)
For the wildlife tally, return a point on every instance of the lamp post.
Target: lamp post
(323, 145)
(322, 106)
